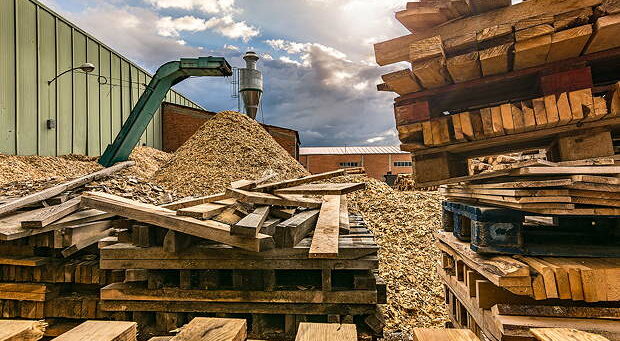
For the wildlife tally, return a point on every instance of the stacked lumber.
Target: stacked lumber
(276, 252)
(537, 114)
(502, 297)
(48, 247)
(498, 162)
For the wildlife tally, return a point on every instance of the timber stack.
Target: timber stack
(49, 266)
(530, 243)
(277, 254)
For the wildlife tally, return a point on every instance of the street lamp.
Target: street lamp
(86, 67)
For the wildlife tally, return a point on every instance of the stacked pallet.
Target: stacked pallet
(49, 267)
(277, 254)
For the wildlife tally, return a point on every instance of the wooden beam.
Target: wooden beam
(323, 189)
(251, 224)
(532, 52)
(189, 202)
(496, 60)
(293, 230)
(432, 73)
(464, 67)
(209, 329)
(426, 49)
(101, 331)
(564, 334)
(402, 82)
(270, 199)
(19, 330)
(166, 218)
(300, 181)
(397, 49)
(326, 332)
(202, 211)
(59, 189)
(569, 43)
(434, 334)
(50, 214)
(325, 238)
(605, 35)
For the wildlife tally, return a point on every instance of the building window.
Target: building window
(349, 164)
(402, 164)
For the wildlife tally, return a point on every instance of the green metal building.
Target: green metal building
(77, 113)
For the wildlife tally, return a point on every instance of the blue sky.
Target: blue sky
(317, 55)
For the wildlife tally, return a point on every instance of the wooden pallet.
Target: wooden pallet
(494, 230)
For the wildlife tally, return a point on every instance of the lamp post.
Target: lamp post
(86, 67)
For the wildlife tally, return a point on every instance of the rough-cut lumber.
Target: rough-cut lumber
(189, 202)
(270, 199)
(322, 189)
(402, 82)
(421, 18)
(533, 32)
(325, 238)
(19, 330)
(202, 211)
(581, 103)
(481, 6)
(493, 32)
(213, 329)
(433, 334)
(166, 218)
(101, 331)
(293, 230)
(464, 67)
(50, 214)
(326, 332)
(574, 18)
(300, 181)
(605, 35)
(426, 49)
(80, 237)
(432, 73)
(568, 43)
(59, 189)
(564, 334)
(496, 60)
(532, 52)
(397, 49)
(252, 223)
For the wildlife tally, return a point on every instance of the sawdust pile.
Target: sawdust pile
(36, 168)
(403, 224)
(228, 147)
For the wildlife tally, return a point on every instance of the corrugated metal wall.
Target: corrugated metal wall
(35, 45)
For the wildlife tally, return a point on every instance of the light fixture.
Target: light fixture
(86, 67)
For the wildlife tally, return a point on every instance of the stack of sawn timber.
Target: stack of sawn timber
(275, 253)
(48, 267)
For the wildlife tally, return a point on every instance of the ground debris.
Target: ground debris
(403, 223)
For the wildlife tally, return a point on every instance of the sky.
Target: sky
(316, 56)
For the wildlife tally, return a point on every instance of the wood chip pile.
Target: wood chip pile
(227, 148)
(403, 224)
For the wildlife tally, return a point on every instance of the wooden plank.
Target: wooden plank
(521, 325)
(569, 43)
(202, 211)
(101, 331)
(21, 330)
(496, 60)
(533, 32)
(325, 238)
(293, 230)
(457, 127)
(299, 181)
(322, 189)
(326, 332)
(564, 334)
(540, 113)
(51, 214)
(605, 35)
(507, 118)
(426, 49)
(432, 73)
(551, 289)
(581, 103)
(189, 202)
(270, 199)
(434, 334)
(213, 329)
(551, 109)
(59, 189)
(251, 224)
(344, 215)
(497, 119)
(402, 82)
(464, 67)
(532, 52)
(487, 121)
(166, 218)
(397, 49)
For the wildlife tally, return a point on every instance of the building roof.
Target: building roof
(350, 150)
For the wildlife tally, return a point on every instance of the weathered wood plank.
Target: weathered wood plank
(325, 238)
(323, 189)
(326, 332)
(251, 224)
(101, 331)
(50, 214)
(300, 181)
(270, 199)
(213, 329)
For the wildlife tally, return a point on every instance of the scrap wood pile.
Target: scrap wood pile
(227, 148)
(525, 243)
(276, 252)
(499, 162)
(48, 266)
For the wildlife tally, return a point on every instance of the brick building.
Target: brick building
(377, 161)
(181, 122)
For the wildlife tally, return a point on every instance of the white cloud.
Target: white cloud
(231, 47)
(207, 6)
(227, 27)
(267, 56)
(171, 27)
(375, 139)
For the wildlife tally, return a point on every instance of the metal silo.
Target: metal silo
(251, 84)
